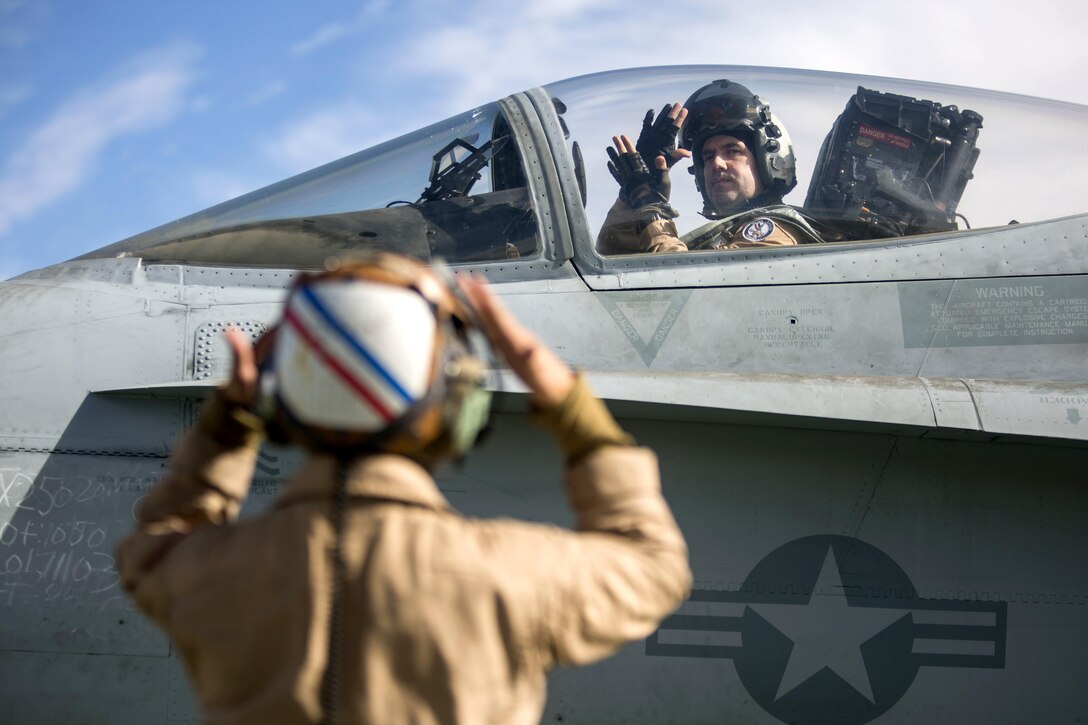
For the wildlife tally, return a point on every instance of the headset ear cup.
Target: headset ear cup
(460, 405)
(468, 404)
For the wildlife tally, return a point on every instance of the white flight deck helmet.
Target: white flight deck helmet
(725, 108)
(375, 356)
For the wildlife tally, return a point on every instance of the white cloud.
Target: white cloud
(332, 32)
(484, 54)
(321, 37)
(969, 43)
(324, 136)
(267, 92)
(59, 155)
(487, 54)
(552, 11)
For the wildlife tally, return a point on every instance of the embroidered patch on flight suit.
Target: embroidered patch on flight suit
(758, 229)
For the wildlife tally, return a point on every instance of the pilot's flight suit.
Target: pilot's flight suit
(775, 225)
(447, 619)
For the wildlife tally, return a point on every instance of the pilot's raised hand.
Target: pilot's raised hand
(639, 185)
(658, 136)
(548, 378)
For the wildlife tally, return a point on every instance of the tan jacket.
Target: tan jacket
(621, 232)
(448, 619)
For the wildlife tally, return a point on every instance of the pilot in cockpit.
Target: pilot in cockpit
(743, 165)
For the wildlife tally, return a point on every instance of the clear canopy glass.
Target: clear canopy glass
(1033, 153)
(458, 189)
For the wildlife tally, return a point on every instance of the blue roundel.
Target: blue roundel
(826, 643)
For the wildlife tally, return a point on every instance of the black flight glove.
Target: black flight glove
(658, 137)
(639, 185)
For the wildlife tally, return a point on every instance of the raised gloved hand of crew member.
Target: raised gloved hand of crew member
(241, 387)
(639, 186)
(548, 378)
(658, 136)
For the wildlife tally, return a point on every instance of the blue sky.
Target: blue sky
(117, 116)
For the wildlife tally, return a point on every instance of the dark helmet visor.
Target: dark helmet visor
(721, 105)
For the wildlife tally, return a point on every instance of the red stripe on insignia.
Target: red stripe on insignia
(334, 365)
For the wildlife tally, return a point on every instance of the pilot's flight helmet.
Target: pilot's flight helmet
(375, 356)
(730, 109)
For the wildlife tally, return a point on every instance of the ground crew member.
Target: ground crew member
(361, 596)
(743, 164)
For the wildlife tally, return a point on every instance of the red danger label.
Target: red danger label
(884, 137)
